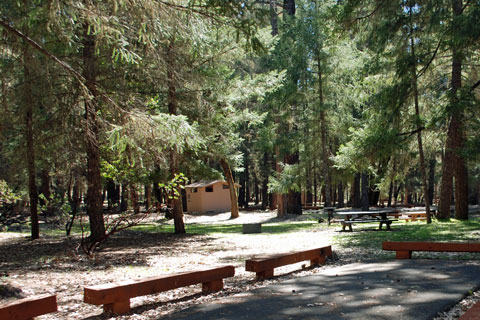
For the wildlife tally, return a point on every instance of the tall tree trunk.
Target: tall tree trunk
(341, 200)
(94, 181)
(281, 199)
(431, 179)
(453, 161)
(265, 175)
(30, 151)
(247, 178)
(459, 164)
(390, 194)
(177, 209)
(289, 7)
(233, 190)
(365, 202)
(73, 199)
(290, 202)
(134, 197)
(124, 198)
(308, 191)
(273, 17)
(148, 196)
(45, 187)
(323, 133)
(423, 169)
(446, 184)
(315, 185)
(256, 190)
(357, 198)
(294, 198)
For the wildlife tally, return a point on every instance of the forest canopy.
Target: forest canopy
(107, 106)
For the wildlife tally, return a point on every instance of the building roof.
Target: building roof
(206, 183)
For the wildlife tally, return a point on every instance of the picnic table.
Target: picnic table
(351, 217)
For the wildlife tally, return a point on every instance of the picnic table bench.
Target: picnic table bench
(115, 297)
(28, 308)
(263, 266)
(413, 216)
(404, 248)
(472, 314)
(348, 223)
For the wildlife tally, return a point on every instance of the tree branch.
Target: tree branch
(51, 56)
(45, 52)
(475, 85)
(425, 68)
(373, 12)
(410, 132)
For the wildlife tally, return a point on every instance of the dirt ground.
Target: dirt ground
(53, 264)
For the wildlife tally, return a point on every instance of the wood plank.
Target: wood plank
(472, 314)
(259, 264)
(122, 291)
(431, 246)
(28, 308)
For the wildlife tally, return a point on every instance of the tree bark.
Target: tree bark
(124, 198)
(365, 202)
(134, 197)
(74, 200)
(454, 165)
(431, 180)
(94, 181)
(289, 7)
(341, 200)
(233, 190)
(148, 197)
(281, 199)
(266, 171)
(273, 17)
(30, 150)
(294, 198)
(390, 194)
(357, 199)
(459, 164)
(323, 133)
(247, 177)
(177, 209)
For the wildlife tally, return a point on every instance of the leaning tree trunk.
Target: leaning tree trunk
(94, 181)
(233, 191)
(177, 211)
(30, 151)
(419, 132)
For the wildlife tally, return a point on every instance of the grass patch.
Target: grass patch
(270, 228)
(447, 231)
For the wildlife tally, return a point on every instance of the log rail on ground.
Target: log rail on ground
(263, 266)
(472, 314)
(28, 308)
(404, 248)
(115, 297)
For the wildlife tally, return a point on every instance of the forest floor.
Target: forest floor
(54, 265)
